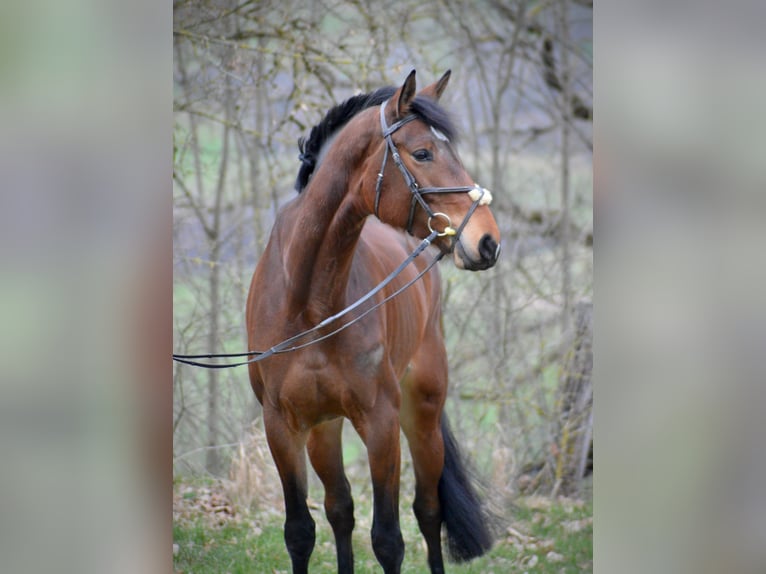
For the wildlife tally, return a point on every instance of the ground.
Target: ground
(212, 533)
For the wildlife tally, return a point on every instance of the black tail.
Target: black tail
(467, 523)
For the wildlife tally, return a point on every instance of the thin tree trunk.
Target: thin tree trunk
(566, 263)
(575, 412)
(212, 460)
(212, 457)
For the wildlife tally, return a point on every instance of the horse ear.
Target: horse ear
(406, 93)
(435, 90)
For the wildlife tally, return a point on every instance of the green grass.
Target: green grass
(232, 548)
(541, 536)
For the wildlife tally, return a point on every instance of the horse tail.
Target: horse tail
(466, 521)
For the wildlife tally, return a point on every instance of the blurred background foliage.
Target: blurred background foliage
(251, 77)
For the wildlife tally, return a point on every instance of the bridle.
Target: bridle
(480, 195)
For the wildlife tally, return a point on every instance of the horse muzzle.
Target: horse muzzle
(483, 256)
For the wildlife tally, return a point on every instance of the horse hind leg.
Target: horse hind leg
(443, 492)
(423, 394)
(288, 450)
(326, 455)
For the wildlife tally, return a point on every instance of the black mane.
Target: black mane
(424, 108)
(333, 121)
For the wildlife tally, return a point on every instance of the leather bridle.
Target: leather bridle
(480, 195)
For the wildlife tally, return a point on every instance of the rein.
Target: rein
(284, 346)
(476, 193)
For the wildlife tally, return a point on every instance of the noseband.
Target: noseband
(476, 192)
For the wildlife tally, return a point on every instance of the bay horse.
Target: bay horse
(356, 218)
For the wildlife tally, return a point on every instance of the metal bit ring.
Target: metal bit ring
(448, 229)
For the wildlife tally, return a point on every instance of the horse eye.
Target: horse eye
(422, 155)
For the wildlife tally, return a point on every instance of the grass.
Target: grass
(211, 536)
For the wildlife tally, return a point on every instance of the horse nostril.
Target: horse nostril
(489, 249)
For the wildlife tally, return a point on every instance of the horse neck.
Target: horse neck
(324, 233)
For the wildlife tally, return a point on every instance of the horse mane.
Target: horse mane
(424, 108)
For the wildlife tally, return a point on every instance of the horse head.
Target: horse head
(422, 186)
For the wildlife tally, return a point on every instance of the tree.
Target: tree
(252, 77)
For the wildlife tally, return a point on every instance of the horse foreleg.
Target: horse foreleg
(326, 454)
(288, 450)
(380, 432)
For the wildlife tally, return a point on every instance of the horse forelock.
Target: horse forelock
(430, 112)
